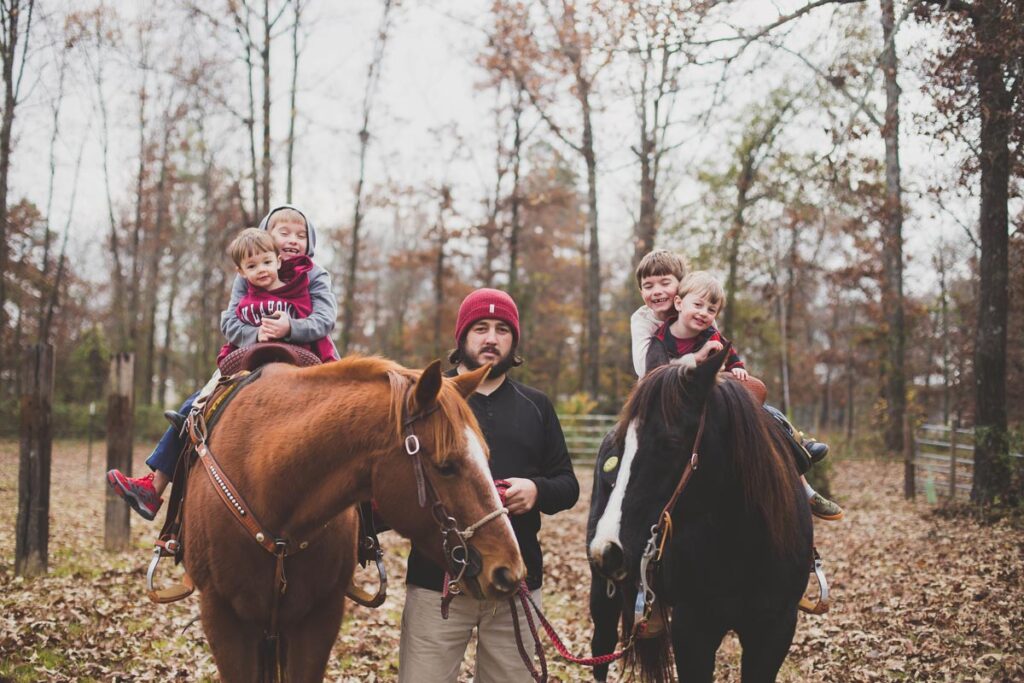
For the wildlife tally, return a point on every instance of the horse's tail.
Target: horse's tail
(650, 659)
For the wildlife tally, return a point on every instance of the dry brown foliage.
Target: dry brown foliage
(916, 596)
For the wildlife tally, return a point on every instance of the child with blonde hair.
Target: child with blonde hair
(279, 294)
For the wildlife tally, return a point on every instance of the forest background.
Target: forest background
(850, 169)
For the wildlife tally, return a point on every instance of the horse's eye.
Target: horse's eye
(447, 469)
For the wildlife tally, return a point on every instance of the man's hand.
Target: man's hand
(277, 327)
(520, 496)
(706, 350)
(740, 373)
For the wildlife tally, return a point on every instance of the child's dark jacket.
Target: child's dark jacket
(665, 346)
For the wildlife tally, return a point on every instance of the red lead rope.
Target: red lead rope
(527, 600)
(524, 597)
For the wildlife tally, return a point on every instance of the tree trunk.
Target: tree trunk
(58, 101)
(10, 45)
(643, 237)
(892, 242)
(348, 306)
(744, 180)
(592, 372)
(516, 200)
(292, 95)
(372, 78)
(992, 470)
(145, 383)
(31, 554)
(439, 286)
(135, 273)
(265, 57)
(12, 14)
(944, 333)
(165, 351)
(120, 425)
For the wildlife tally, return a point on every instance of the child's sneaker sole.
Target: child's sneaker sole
(823, 508)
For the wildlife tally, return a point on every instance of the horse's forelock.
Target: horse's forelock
(663, 390)
(451, 420)
(448, 421)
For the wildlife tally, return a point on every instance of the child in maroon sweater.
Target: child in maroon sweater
(276, 287)
(275, 291)
(692, 332)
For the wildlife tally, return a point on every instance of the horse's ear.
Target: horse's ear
(467, 382)
(428, 386)
(705, 374)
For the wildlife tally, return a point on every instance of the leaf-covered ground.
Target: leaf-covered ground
(916, 596)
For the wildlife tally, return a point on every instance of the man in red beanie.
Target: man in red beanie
(528, 452)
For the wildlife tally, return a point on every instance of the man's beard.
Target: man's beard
(497, 369)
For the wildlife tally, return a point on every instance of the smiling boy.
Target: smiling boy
(657, 275)
(277, 290)
(294, 236)
(698, 301)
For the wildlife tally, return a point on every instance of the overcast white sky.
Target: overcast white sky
(429, 83)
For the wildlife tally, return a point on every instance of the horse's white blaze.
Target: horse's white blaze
(610, 524)
(477, 457)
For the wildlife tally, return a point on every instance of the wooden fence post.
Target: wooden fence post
(909, 487)
(31, 554)
(952, 460)
(120, 425)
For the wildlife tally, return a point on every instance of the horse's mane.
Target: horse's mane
(451, 410)
(663, 389)
(758, 454)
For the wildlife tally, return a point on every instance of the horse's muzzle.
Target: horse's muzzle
(504, 581)
(609, 560)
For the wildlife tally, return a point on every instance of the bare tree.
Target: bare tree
(582, 36)
(297, 8)
(57, 102)
(657, 32)
(15, 26)
(983, 72)
(892, 239)
(372, 81)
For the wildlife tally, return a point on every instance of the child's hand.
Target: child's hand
(740, 373)
(706, 350)
(277, 327)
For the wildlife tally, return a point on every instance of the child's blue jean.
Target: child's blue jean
(165, 456)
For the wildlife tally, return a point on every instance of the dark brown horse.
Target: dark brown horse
(740, 544)
(302, 446)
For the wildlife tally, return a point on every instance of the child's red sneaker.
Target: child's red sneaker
(138, 493)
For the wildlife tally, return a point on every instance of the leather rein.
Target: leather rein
(661, 531)
(454, 540)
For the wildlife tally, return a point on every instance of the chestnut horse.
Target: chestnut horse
(740, 540)
(303, 446)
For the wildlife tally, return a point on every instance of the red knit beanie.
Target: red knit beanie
(487, 303)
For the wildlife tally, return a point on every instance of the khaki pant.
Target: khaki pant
(432, 648)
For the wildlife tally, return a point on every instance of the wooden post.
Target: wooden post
(31, 554)
(120, 425)
(909, 488)
(952, 460)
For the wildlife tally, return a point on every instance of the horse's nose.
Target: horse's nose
(504, 580)
(610, 559)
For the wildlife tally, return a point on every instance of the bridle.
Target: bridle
(458, 560)
(661, 531)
